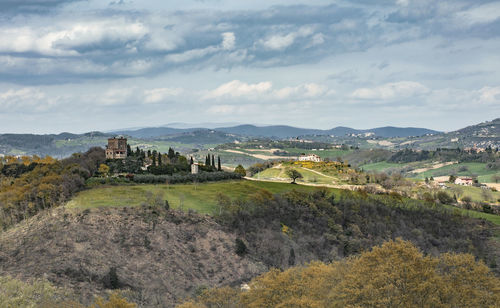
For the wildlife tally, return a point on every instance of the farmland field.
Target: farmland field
(201, 197)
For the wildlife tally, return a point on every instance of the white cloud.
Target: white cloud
(280, 41)
(228, 40)
(237, 88)
(70, 39)
(264, 90)
(403, 2)
(160, 94)
(309, 90)
(116, 96)
(391, 90)
(26, 100)
(485, 13)
(489, 95)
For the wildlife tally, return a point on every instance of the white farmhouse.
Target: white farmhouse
(310, 157)
(464, 181)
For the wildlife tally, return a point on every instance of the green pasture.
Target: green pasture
(199, 197)
(380, 166)
(308, 176)
(462, 169)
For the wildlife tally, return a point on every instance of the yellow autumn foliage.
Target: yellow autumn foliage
(395, 274)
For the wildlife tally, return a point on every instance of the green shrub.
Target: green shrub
(241, 248)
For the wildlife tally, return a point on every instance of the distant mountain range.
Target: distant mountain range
(185, 138)
(280, 131)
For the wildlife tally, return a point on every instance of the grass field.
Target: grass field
(490, 217)
(201, 197)
(462, 169)
(380, 166)
(329, 153)
(476, 193)
(308, 176)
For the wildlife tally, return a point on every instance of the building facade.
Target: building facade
(116, 148)
(464, 181)
(194, 168)
(310, 157)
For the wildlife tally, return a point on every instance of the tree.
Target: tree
(129, 150)
(103, 170)
(467, 202)
(452, 179)
(219, 167)
(159, 158)
(171, 153)
(294, 175)
(115, 301)
(444, 197)
(457, 191)
(240, 170)
(191, 161)
(213, 161)
(486, 194)
(395, 274)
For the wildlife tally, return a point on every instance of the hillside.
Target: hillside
(161, 258)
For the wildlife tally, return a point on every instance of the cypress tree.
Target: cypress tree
(171, 153)
(154, 160)
(207, 160)
(213, 161)
(218, 164)
(191, 161)
(159, 158)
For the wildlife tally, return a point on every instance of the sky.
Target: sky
(88, 65)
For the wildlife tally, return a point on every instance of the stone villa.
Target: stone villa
(116, 148)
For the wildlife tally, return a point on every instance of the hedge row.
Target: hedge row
(162, 179)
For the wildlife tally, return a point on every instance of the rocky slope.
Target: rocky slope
(161, 256)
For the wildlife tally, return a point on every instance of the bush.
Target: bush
(240, 170)
(241, 248)
(186, 178)
(445, 198)
(487, 208)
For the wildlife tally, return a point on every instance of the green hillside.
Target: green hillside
(201, 197)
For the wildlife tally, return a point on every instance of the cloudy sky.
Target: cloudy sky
(71, 65)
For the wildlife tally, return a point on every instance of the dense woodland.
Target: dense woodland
(395, 274)
(460, 155)
(32, 184)
(295, 228)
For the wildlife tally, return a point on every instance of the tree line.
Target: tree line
(44, 184)
(395, 274)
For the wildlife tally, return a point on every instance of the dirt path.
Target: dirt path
(261, 156)
(275, 180)
(434, 166)
(319, 173)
